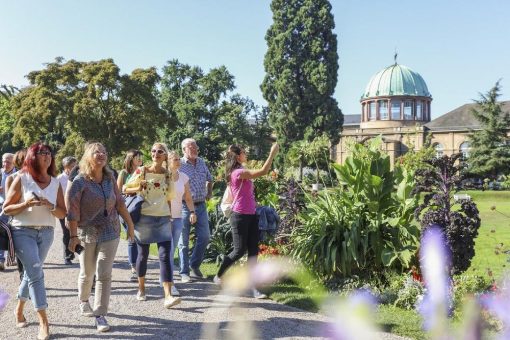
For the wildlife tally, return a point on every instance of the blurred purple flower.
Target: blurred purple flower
(4, 298)
(266, 272)
(498, 304)
(353, 317)
(434, 260)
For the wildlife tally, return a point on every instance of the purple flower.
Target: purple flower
(4, 298)
(434, 260)
(498, 304)
(352, 317)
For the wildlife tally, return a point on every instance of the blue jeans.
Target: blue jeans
(176, 234)
(132, 250)
(32, 246)
(202, 233)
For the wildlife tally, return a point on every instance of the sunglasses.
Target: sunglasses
(99, 153)
(43, 153)
(158, 151)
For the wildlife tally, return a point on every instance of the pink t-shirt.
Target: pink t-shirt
(242, 193)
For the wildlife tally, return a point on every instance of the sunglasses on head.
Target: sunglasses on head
(158, 151)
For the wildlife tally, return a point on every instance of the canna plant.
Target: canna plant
(459, 221)
(363, 225)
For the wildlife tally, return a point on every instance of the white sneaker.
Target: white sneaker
(85, 309)
(172, 301)
(134, 276)
(217, 280)
(258, 295)
(141, 296)
(174, 291)
(185, 278)
(102, 324)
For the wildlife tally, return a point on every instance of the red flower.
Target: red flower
(157, 184)
(137, 171)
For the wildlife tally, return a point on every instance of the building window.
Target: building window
(372, 114)
(464, 150)
(439, 150)
(419, 110)
(408, 110)
(383, 109)
(395, 109)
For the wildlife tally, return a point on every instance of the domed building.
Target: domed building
(396, 104)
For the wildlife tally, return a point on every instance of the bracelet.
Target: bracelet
(54, 208)
(192, 212)
(73, 236)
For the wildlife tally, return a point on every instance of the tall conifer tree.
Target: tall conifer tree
(301, 66)
(490, 153)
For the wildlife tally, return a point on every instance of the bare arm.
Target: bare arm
(187, 197)
(12, 204)
(120, 181)
(251, 174)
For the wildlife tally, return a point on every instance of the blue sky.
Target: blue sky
(460, 48)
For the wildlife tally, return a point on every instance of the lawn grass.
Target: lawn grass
(490, 259)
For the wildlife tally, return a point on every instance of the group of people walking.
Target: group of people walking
(88, 200)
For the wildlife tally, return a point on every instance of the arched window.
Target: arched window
(372, 114)
(419, 110)
(408, 110)
(439, 150)
(395, 109)
(383, 109)
(464, 150)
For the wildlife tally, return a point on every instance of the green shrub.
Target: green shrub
(410, 294)
(365, 224)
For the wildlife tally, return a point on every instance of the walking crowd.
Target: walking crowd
(166, 200)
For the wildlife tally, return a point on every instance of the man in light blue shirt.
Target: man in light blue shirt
(200, 182)
(7, 169)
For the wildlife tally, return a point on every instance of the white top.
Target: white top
(36, 216)
(63, 179)
(179, 194)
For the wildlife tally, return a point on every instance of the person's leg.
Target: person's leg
(88, 259)
(240, 239)
(184, 243)
(32, 248)
(105, 257)
(132, 253)
(176, 234)
(203, 234)
(253, 238)
(165, 269)
(25, 243)
(68, 255)
(141, 266)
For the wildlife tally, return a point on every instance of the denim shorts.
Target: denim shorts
(153, 229)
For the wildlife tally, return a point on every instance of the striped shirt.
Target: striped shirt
(85, 202)
(198, 176)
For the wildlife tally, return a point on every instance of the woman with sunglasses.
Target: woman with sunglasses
(182, 193)
(245, 231)
(35, 199)
(133, 160)
(155, 184)
(94, 204)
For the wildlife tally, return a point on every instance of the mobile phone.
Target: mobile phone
(35, 196)
(78, 249)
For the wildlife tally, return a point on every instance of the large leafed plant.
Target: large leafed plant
(363, 225)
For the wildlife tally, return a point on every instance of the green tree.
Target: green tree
(314, 154)
(201, 105)
(6, 118)
(301, 65)
(70, 102)
(490, 153)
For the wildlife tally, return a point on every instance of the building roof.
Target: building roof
(396, 80)
(460, 118)
(350, 120)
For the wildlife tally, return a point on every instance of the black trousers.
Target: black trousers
(245, 234)
(68, 255)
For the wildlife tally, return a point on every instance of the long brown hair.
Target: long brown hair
(128, 161)
(231, 162)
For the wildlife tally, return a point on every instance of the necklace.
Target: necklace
(105, 212)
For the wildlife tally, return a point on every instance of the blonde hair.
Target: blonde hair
(168, 172)
(86, 160)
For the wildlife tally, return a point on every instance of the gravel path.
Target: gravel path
(202, 314)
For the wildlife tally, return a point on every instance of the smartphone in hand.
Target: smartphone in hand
(35, 196)
(78, 249)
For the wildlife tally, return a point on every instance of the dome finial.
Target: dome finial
(395, 56)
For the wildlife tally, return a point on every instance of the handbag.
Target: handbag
(134, 204)
(227, 201)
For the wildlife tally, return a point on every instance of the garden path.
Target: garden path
(202, 309)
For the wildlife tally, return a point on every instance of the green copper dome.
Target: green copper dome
(396, 80)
